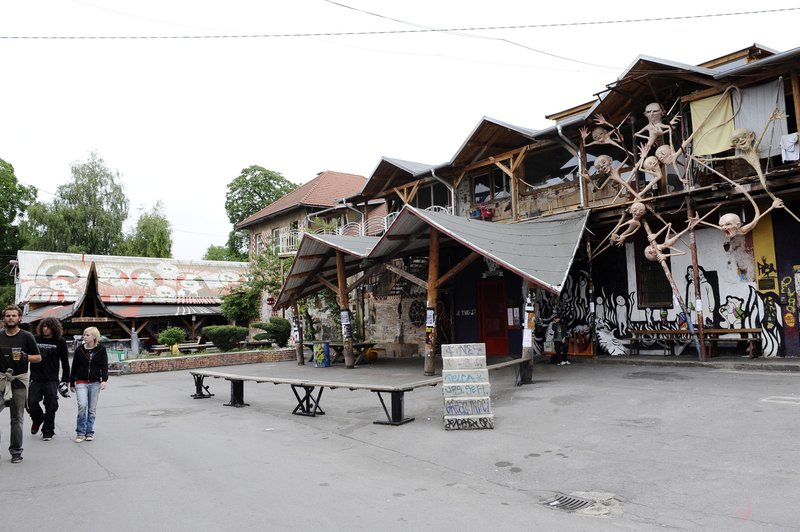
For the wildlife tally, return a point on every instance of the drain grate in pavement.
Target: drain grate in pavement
(567, 503)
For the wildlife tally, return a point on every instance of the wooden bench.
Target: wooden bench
(712, 337)
(303, 390)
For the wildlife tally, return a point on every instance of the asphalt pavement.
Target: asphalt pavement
(632, 447)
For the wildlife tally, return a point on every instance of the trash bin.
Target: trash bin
(322, 355)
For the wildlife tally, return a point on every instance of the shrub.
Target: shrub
(172, 336)
(278, 329)
(225, 337)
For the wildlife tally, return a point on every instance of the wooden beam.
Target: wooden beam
(364, 278)
(314, 257)
(466, 261)
(124, 327)
(796, 98)
(329, 285)
(405, 275)
(399, 237)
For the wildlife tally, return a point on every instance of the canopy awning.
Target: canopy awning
(49, 311)
(154, 311)
(540, 251)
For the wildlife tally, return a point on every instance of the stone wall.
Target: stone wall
(149, 365)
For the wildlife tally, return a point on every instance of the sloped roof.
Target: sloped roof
(391, 172)
(541, 251)
(61, 278)
(323, 191)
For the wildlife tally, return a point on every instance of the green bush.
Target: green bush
(172, 336)
(278, 329)
(225, 337)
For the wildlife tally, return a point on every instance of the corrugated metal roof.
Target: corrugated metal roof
(48, 277)
(540, 251)
(316, 255)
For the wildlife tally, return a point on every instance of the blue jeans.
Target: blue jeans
(88, 394)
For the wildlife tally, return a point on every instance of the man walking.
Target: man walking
(17, 348)
(44, 377)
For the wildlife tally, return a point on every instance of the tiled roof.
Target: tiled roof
(323, 191)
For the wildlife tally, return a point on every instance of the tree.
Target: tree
(242, 303)
(223, 253)
(152, 236)
(247, 194)
(86, 216)
(14, 200)
(253, 190)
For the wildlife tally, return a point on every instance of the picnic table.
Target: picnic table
(359, 349)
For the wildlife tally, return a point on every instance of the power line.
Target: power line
(394, 32)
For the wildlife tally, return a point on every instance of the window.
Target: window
(652, 287)
(548, 168)
(276, 240)
(490, 185)
(433, 194)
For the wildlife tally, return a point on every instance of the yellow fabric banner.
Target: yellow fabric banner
(713, 124)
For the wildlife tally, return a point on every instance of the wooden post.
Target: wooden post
(433, 299)
(696, 275)
(298, 347)
(349, 362)
(796, 98)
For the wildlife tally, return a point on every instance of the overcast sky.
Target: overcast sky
(180, 118)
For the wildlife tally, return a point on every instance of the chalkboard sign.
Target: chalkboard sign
(465, 387)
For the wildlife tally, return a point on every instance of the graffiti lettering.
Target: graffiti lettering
(787, 289)
(467, 407)
(766, 269)
(458, 423)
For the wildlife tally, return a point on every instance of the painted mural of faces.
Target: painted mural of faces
(144, 278)
(165, 292)
(168, 271)
(111, 276)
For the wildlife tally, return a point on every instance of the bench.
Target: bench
(712, 337)
(359, 350)
(186, 347)
(308, 404)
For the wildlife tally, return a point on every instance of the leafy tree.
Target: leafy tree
(86, 216)
(14, 200)
(171, 336)
(253, 190)
(152, 236)
(224, 253)
(242, 303)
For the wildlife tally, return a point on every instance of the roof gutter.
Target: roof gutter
(574, 150)
(449, 187)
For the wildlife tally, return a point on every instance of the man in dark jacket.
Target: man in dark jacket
(17, 348)
(44, 377)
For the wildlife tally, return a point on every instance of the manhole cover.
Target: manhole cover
(567, 503)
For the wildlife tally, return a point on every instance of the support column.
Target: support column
(696, 275)
(298, 347)
(433, 299)
(349, 361)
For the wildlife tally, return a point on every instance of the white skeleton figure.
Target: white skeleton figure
(655, 129)
(654, 252)
(744, 140)
(601, 135)
(604, 166)
(731, 224)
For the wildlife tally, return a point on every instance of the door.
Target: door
(493, 316)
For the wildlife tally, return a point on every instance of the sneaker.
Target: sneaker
(89, 437)
(79, 438)
(46, 438)
(567, 362)
(35, 428)
(562, 363)
(17, 458)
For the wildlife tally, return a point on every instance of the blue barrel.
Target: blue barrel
(322, 355)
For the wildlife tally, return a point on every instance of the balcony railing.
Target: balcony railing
(289, 240)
